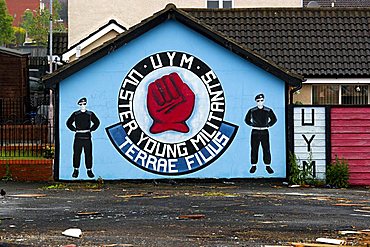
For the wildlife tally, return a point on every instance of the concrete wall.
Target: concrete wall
(86, 16)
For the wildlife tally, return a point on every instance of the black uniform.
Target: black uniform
(82, 127)
(260, 120)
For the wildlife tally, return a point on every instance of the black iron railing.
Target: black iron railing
(26, 140)
(25, 131)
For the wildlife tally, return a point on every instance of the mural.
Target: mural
(310, 138)
(171, 108)
(260, 118)
(82, 122)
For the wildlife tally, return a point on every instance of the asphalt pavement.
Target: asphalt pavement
(177, 213)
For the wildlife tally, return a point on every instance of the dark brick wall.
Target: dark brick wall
(28, 170)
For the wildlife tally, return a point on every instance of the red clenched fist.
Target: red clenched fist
(170, 103)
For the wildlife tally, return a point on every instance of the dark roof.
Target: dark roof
(340, 3)
(60, 43)
(171, 12)
(13, 52)
(314, 42)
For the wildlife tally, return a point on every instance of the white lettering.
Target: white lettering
(128, 95)
(171, 57)
(189, 160)
(172, 165)
(132, 74)
(217, 106)
(131, 150)
(208, 134)
(208, 77)
(210, 117)
(132, 126)
(152, 160)
(127, 141)
(221, 138)
(203, 154)
(141, 156)
(196, 140)
(217, 95)
(159, 148)
(182, 149)
(184, 59)
(162, 163)
(212, 125)
(148, 148)
(156, 66)
(142, 138)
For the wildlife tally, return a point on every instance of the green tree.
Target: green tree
(6, 20)
(37, 22)
(20, 35)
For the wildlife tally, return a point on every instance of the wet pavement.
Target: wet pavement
(177, 213)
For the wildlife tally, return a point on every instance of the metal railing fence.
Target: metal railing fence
(25, 133)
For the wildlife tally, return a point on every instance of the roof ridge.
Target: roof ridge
(278, 9)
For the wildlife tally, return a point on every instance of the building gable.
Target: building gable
(171, 102)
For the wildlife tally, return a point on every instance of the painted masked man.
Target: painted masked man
(260, 118)
(82, 122)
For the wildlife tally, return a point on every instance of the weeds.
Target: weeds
(57, 186)
(337, 174)
(295, 172)
(8, 173)
(301, 175)
(99, 184)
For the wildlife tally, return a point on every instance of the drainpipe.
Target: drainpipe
(51, 110)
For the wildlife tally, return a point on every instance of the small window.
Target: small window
(212, 4)
(354, 95)
(340, 94)
(325, 94)
(216, 4)
(227, 4)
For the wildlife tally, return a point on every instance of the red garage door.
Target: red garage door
(350, 139)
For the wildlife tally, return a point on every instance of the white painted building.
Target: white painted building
(86, 16)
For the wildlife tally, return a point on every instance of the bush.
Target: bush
(337, 173)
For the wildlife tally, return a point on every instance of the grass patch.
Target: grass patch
(23, 153)
(58, 186)
(23, 158)
(99, 184)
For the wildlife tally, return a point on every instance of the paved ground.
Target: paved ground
(165, 213)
